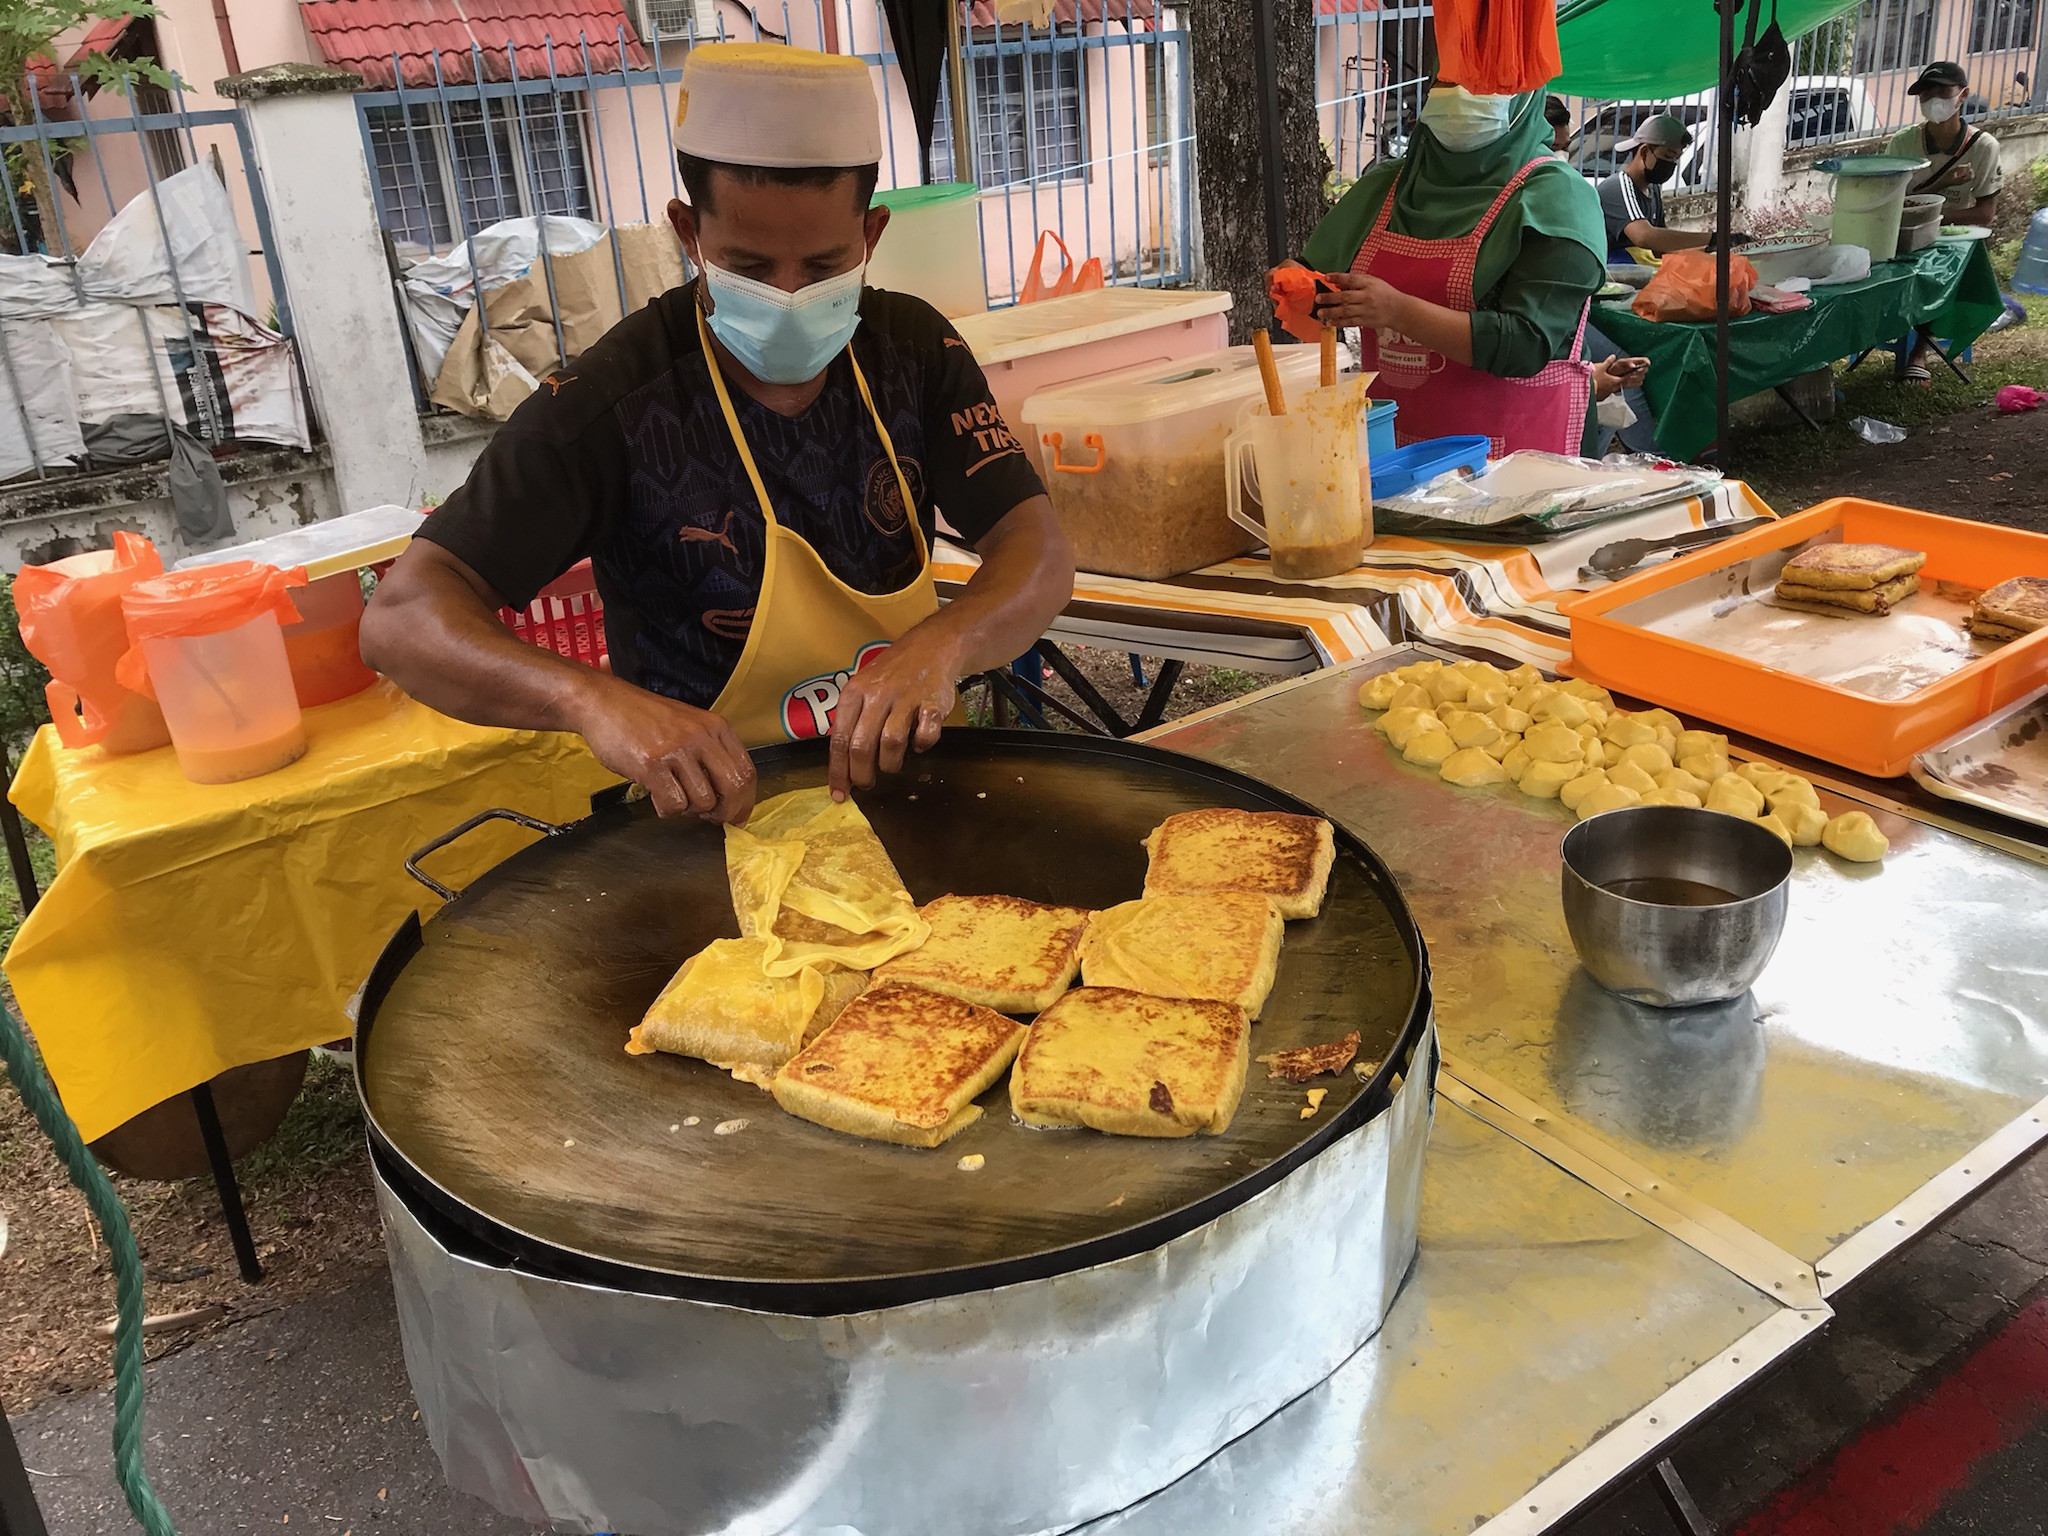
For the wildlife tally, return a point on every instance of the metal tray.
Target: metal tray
(1999, 764)
(491, 1063)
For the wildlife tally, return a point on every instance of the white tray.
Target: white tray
(1999, 764)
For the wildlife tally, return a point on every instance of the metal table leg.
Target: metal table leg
(19, 1513)
(1798, 410)
(17, 839)
(1678, 1501)
(1954, 367)
(224, 1182)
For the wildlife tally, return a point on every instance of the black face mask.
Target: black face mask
(1661, 171)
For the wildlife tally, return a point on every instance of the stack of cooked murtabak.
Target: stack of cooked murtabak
(1849, 579)
(2011, 610)
(866, 1014)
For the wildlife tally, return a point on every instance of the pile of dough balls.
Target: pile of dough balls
(1476, 724)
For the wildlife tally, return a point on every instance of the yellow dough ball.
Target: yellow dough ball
(1429, 747)
(1853, 835)
(1610, 754)
(1700, 744)
(1794, 791)
(1662, 719)
(1597, 712)
(1470, 768)
(1544, 780)
(1669, 742)
(1805, 822)
(1736, 796)
(1485, 695)
(1561, 708)
(1403, 721)
(1554, 743)
(1449, 687)
(1758, 766)
(1627, 731)
(1418, 671)
(1579, 688)
(1411, 696)
(1649, 757)
(1510, 719)
(1684, 797)
(1705, 766)
(1609, 797)
(1629, 776)
(1503, 745)
(1577, 789)
(1516, 760)
(1776, 828)
(1379, 692)
(1596, 754)
(1470, 730)
(1527, 700)
(1679, 781)
(1523, 676)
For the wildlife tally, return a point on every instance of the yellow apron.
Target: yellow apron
(811, 631)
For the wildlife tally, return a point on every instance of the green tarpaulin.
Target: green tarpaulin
(1951, 289)
(1651, 50)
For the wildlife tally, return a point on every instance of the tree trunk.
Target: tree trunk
(1230, 160)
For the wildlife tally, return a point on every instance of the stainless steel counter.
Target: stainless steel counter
(1902, 1024)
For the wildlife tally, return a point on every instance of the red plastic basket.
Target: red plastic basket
(567, 618)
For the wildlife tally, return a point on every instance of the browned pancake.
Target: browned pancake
(1875, 601)
(1851, 567)
(899, 1064)
(1132, 1065)
(2011, 609)
(1262, 853)
(1002, 952)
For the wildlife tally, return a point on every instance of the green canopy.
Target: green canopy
(1651, 50)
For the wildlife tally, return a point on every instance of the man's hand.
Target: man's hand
(1611, 375)
(1361, 300)
(1959, 173)
(896, 702)
(688, 760)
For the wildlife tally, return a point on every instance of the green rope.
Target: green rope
(26, 1068)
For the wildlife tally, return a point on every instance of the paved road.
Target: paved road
(1927, 1400)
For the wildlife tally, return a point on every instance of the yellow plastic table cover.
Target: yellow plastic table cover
(197, 927)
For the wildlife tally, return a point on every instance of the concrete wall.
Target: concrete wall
(2021, 142)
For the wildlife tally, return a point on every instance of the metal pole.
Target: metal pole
(225, 1184)
(1724, 200)
(1265, 71)
(956, 78)
(19, 1515)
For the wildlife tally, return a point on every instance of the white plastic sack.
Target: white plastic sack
(39, 363)
(34, 288)
(239, 385)
(126, 259)
(438, 290)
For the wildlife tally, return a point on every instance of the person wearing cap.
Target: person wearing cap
(752, 464)
(1559, 116)
(1632, 199)
(1962, 165)
(1468, 264)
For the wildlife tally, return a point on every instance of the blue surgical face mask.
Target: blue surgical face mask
(780, 337)
(1463, 122)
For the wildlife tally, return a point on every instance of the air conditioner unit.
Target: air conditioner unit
(676, 20)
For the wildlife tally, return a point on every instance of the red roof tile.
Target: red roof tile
(362, 35)
(104, 34)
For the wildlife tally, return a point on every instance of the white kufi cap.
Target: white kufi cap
(771, 104)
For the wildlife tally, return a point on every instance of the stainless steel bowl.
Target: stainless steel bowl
(1674, 956)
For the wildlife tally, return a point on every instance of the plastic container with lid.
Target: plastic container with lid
(1029, 348)
(932, 247)
(207, 644)
(1920, 222)
(1134, 460)
(1870, 196)
(70, 616)
(324, 643)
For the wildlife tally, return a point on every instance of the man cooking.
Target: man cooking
(1632, 199)
(1962, 165)
(752, 464)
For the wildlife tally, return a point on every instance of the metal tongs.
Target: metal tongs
(1613, 561)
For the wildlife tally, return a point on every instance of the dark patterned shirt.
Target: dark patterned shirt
(624, 457)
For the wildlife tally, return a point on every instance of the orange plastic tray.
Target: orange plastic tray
(1869, 735)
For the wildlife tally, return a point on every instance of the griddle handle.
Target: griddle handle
(497, 813)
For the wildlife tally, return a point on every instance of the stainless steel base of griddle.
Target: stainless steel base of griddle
(1027, 1409)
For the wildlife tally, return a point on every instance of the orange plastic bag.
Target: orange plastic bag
(1686, 286)
(1497, 47)
(1071, 279)
(70, 619)
(203, 600)
(1293, 292)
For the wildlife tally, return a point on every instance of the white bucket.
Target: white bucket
(1870, 196)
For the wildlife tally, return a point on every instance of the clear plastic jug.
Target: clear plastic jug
(207, 644)
(1316, 510)
(70, 616)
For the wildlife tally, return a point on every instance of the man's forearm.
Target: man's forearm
(433, 634)
(1026, 577)
(1662, 241)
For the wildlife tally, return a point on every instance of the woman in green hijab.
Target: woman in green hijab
(1469, 263)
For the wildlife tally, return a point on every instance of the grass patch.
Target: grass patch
(322, 1131)
(42, 858)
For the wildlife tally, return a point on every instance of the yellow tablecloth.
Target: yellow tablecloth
(193, 928)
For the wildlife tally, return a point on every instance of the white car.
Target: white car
(1821, 108)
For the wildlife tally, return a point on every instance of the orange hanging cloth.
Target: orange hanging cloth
(1293, 292)
(1497, 47)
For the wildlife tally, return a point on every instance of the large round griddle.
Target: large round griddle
(493, 1070)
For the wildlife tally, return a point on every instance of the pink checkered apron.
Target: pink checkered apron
(1442, 398)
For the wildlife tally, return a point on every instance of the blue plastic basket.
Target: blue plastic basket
(1418, 463)
(1379, 429)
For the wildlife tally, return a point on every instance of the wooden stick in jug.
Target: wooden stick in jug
(1269, 374)
(1329, 355)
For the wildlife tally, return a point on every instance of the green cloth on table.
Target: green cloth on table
(1950, 289)
(1543, 258)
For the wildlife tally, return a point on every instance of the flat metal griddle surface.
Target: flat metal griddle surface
(493, 1065)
